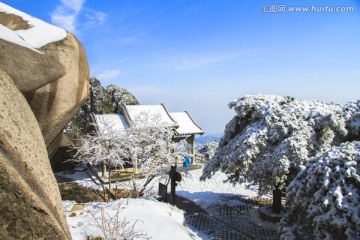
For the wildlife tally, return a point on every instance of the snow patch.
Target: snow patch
(158, 220)
(38, 35)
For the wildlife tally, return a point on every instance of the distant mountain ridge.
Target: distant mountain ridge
(210, 137)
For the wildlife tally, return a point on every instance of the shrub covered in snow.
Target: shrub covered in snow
(324, 199)
(271, 137)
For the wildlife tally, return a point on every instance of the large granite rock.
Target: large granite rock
(44, 79)
(30, 207)
(57, 102)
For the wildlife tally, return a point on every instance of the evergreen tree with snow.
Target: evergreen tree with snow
(100, 101)
(352, 116)
(271, 137)
(323, 201)
(208, 150)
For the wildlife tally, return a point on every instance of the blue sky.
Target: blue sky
(198, 55)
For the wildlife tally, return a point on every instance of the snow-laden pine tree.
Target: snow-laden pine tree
(323, 201)
(208, 150)
(352, 116)
(271, 137)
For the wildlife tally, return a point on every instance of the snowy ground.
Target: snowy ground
(158, 220)
(153, 219)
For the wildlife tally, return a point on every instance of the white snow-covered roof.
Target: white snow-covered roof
(134, 112)
(38, 35)
(110, 123)
(186, 123)
(183, 123)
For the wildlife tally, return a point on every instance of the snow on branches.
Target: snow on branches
(105, 147)
(271, 137)
(323, 201)
(145, 147)
(208, 150)
(352, 116)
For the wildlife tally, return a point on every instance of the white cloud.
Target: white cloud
(66, 13)
(65, 21)
(95, 17)
(73, 4)
(109, 74)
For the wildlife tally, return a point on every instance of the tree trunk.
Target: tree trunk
(109, 182)
(103, 169)
(276, 205)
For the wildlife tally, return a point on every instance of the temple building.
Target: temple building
(184, 125)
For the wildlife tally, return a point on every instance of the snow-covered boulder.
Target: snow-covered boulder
(29, 68)
(56, 103)
(323, 201)
(48, 66)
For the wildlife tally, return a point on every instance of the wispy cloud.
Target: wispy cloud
(195, 61)
(108, 75)
(95, 17)
(65, 14)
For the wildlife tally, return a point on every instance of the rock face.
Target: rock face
(30, 206)
(44, 79)
(39, 70)
(57, 102)
(100, 101)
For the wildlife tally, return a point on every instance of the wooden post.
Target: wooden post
(109, 183)
(103, 172)
(276, 205)
(173, 184)
(194, 149)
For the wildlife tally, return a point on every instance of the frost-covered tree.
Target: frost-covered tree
(271, 137)
(352, 117)
(323, 201)
(145, 147)
(208, 150)
(150, 150)
(104, 147)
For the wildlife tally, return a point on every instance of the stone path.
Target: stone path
(229, 223)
